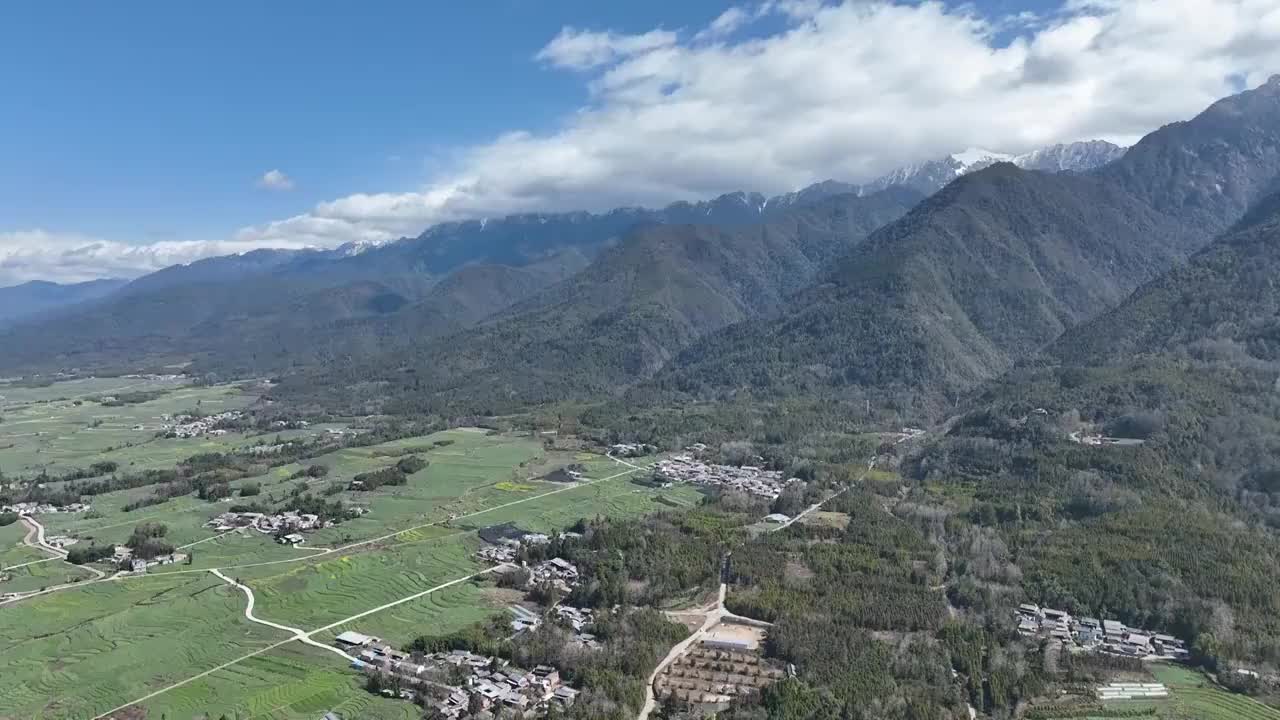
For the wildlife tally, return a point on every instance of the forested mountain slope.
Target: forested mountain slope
(996, 265)
(628, 313)
(202, 309)
(1223, 305)
(330, 334)
(259, 324)
(32, 298)
(1208, 171)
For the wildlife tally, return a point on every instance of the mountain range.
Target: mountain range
(629, 312)
(982, 273)
(895, 291)
(233, 310)
(997, 265)
(37, 297)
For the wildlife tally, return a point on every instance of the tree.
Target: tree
(475, 704)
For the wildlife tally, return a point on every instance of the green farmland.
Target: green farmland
(1192, 696)
(87, 648)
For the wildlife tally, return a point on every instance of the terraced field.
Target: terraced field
(79, 653)
(440, 613)
(41, 575)
(1193, 696)
(12, 551)
(292, 682)
(314, 594)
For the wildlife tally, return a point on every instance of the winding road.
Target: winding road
(303, 636)
(717, 613)
(306, 636)
(36, 529)
(330, 551)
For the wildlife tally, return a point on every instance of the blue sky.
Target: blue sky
(136, 134)
(157, 117)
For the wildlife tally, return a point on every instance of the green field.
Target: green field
(41, 575)
(100, 644)
(44, 428)
(1192, 696)
(292, 682)
(82, 652)
(12, 551)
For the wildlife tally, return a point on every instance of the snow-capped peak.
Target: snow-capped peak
(977, 158)
(355, 247)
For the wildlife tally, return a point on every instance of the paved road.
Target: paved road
(718, 614)
(34, 527)
(714, 615)
(299, 635)
(816, 506)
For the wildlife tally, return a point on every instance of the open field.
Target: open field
(291, 682)
(98, 645)
(79, 653)
(12, 551)
(41, 575)
(1192, 697)
(59, 428)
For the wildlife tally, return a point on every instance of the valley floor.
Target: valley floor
(178, 642)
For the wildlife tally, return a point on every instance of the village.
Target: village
(753, 480)
(31, 508)
(124, 559)
(286, 526)
(187, 426)
(1106, 636)
(457, 682)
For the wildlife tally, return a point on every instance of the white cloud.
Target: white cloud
(728, 22)
(847, 91)
(583, 49)
(275, 180)
(43, 255)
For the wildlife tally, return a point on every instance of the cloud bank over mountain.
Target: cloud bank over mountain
(774, 96)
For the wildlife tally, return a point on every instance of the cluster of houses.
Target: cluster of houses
(186, 426)
(1097, 440)
(123, 558)
(61, 542)
(31, 508)
(287, 525)
(558, 572)
(455, 683)
(631, 450)
(506, 549)
(577, 620)
(1109, 636)
(747, 478)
